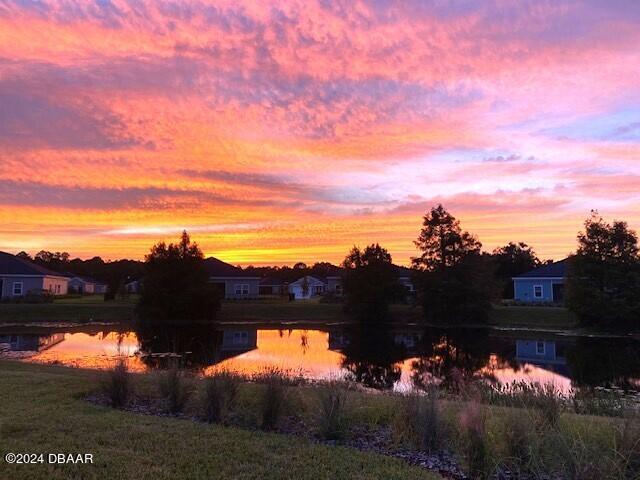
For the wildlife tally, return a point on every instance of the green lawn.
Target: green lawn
(533, 317)
(94, 308)
(73, 309)
(41, 412)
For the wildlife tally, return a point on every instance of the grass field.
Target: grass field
(533, 317)
(42, 413)
(94, 308)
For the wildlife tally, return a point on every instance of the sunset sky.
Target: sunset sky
(292, 130)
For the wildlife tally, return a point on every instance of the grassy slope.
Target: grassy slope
(534, 317)
(41, 412)
(94, 308)
(84, 309)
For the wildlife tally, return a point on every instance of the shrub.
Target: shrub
(273, 398)
(175, 389)
(420, 421)
(332, 420)
(117, 383)
(219, 394)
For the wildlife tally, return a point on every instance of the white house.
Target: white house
(18, 277)
(307, 287)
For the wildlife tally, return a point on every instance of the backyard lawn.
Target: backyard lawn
(94, 308)
(42, 412)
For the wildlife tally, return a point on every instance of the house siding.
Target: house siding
(32, 283)
(230, 287)
(524, 289)
(315, 288)
(57, 286)
(529, 350)
(77, 285)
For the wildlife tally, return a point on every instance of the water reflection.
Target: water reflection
(377, 357)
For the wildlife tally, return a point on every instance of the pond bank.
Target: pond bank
(93, 309)
(43, 412)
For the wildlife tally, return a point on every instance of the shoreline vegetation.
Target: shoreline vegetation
(93, 309)
(482, 433)
(47, 409)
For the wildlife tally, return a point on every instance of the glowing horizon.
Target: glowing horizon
(290, 131)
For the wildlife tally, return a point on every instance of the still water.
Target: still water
(387, 358)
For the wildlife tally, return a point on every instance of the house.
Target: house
(85, 285)
(232, 282)
(30, 342)
(539, 351)
(271, 286)
(542, 284)
(404, 278)
(19, 277)
(307, 287)
(334, 284)
(133, 285)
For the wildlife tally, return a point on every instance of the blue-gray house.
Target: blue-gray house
(542, 284)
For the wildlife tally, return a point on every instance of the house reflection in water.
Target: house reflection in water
(237, 342)
(547, 354)
(29, 342)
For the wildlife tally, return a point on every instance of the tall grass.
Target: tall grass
(420, 423)
(273, 397)
(219, 395)
(175, 388)
(472, 424)
(117, 385)
(332, 417)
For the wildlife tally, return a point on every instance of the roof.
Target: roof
(403, 271)
(84, 279)
(269, 281)
(12, 265)
(551, 270)
(218, 268)
(310, 279)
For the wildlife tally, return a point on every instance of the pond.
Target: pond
(387, 358)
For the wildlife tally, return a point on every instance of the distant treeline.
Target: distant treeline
(510, 260)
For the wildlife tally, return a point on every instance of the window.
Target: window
(242, 289)
(17, 288)
(240, 338)
(317, 289)
(338, 288)
(537, 291)
(540, 348)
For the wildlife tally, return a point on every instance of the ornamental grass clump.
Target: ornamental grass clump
(420, 422)
(219, 395)
(117, 385)
(175, 388)
(332, 417)
(272, 401)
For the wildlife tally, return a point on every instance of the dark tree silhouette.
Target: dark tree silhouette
(603, 280)
(442, 241)
(370, 282)
(511, 260)
(455, 282)
(176, 287)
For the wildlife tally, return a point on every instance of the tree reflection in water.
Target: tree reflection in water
(450, 358)
(197, 346)
(372, 357)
